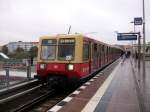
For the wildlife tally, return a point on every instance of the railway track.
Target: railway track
(32, 98)
(17, 96)
(24, 97)
(25, 100)
(18, 87)
(34, 101)
(12, 91)
(48, 103)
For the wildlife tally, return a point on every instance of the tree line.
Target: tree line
(20, 53)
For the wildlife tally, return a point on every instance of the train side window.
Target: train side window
(85, 52)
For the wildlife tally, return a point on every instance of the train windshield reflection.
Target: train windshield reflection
(66, 50)
(48, 52)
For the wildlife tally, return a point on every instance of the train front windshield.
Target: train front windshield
(66, 48)
(48, 49)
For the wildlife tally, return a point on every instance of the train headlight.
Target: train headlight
(70, 66)
(42, 66)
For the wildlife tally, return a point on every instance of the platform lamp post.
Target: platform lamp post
(143, 37)
(140, 21)
(133, 53)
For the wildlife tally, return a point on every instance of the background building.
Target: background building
(12, 46)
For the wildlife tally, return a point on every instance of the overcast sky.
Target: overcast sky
(27, 20)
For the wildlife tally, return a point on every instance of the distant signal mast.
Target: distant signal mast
(69, 29)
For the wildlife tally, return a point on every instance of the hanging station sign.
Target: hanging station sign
(138, 21)
(126, 36)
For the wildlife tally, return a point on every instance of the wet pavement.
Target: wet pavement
(122, 93)
(144, 84)
(128, 91)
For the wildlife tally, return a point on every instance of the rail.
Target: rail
(26, 99)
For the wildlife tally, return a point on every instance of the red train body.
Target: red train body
(73, 56)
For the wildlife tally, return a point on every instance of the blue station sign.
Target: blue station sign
(138, 21)
(126, 37)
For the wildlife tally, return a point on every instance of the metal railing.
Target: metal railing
(21, 70)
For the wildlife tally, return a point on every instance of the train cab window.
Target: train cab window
(48, 49)
(66, 48)
(85, 52)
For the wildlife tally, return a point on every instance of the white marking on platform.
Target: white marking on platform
(67, 99)
(90, 107)
(82, 87)
(92, 80)
(95, 77)
(76, 92)
(98, 75)
(87, 83)
(55, 108)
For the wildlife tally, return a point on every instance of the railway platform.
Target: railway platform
(12, 81)
(124, 89)
(14, 78)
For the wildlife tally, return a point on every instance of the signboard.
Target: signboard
(126, 37)
(138, 21)
(49, 41)
(67, 41)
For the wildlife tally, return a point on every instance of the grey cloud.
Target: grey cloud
(27, 20)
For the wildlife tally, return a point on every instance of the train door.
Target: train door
(86, 57)
(102, 55)
(95, 56)
(91, 65)
(99, 50)
(90, 59)
(107, 54)
(110, 53)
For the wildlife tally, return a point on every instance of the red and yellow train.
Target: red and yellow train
(73, 56)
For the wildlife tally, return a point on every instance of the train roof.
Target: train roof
(62, 36)
(78, 36)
